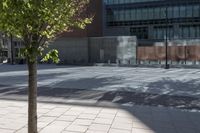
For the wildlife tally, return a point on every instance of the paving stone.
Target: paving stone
(119, 131)
(166, 130)
(70, 132)
(92, 110)
(125, 126)
(42, 124)
(14, 115)
(53, 114)
(103, 121)
(187, 124)
(46, 119)
(77, 108)
(67, 117)
(76, 128)
(12, 126)
(60, 123)
(123, 120)
(186, 130)
(162, 118)
(109, 111)
(85, 122)
(87, 116)
(99, 127)
(6, 131)
(3, 112)
(105, 115)
(95, 131)
(46, 106)
(126, 115)
(141, 125)
(43, 110)
(23, 130)
(59, 110)
(52, 129)
(74, 113)
(162, 124)
(135, 130)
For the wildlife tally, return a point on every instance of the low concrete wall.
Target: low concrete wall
(71, 50)
(96, 50)
(120, 49)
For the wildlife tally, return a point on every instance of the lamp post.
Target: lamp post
(166, 39)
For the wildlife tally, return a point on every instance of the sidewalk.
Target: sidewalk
(62, 118)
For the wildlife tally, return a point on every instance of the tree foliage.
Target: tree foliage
(38, 21)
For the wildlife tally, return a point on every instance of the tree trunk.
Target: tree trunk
(32, 97)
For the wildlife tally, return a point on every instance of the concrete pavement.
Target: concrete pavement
(62, 118)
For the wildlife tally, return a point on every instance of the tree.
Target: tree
(36, 22)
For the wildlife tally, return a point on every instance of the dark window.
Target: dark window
(139, 32)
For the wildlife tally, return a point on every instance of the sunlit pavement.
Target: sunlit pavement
(63, 118)
(103, 100)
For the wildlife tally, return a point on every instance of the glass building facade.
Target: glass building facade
(155, 19)
(110, 2)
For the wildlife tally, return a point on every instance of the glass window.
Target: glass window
(155, 31)
(145, 14)
(127, 1)
(176, 12)
(138, 14)
(121, 15)
(192, 32)
(170, 12)
(133, 14)
(127, 15)
(197, 32)
(163, 12)
(182, 11)
(196, 10)
(189, 11)
(159, 33)
(116, 15)
(185, 32)
(171, 32)
(150, 13)
(156, 13)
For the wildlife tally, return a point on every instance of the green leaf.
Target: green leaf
(51, 55)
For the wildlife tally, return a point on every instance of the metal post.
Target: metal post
(166, 39)
(185, 50)
(12, 52)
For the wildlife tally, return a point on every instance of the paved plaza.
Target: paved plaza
(102, 99)
(63, 118)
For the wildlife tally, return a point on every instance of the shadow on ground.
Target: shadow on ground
(167, 93)
(125, 96)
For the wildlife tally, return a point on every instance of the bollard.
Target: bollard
(118, 62)
(129, 62)
(109, 62)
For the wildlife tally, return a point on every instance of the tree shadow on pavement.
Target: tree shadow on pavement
(168, 96)
(156, 119)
